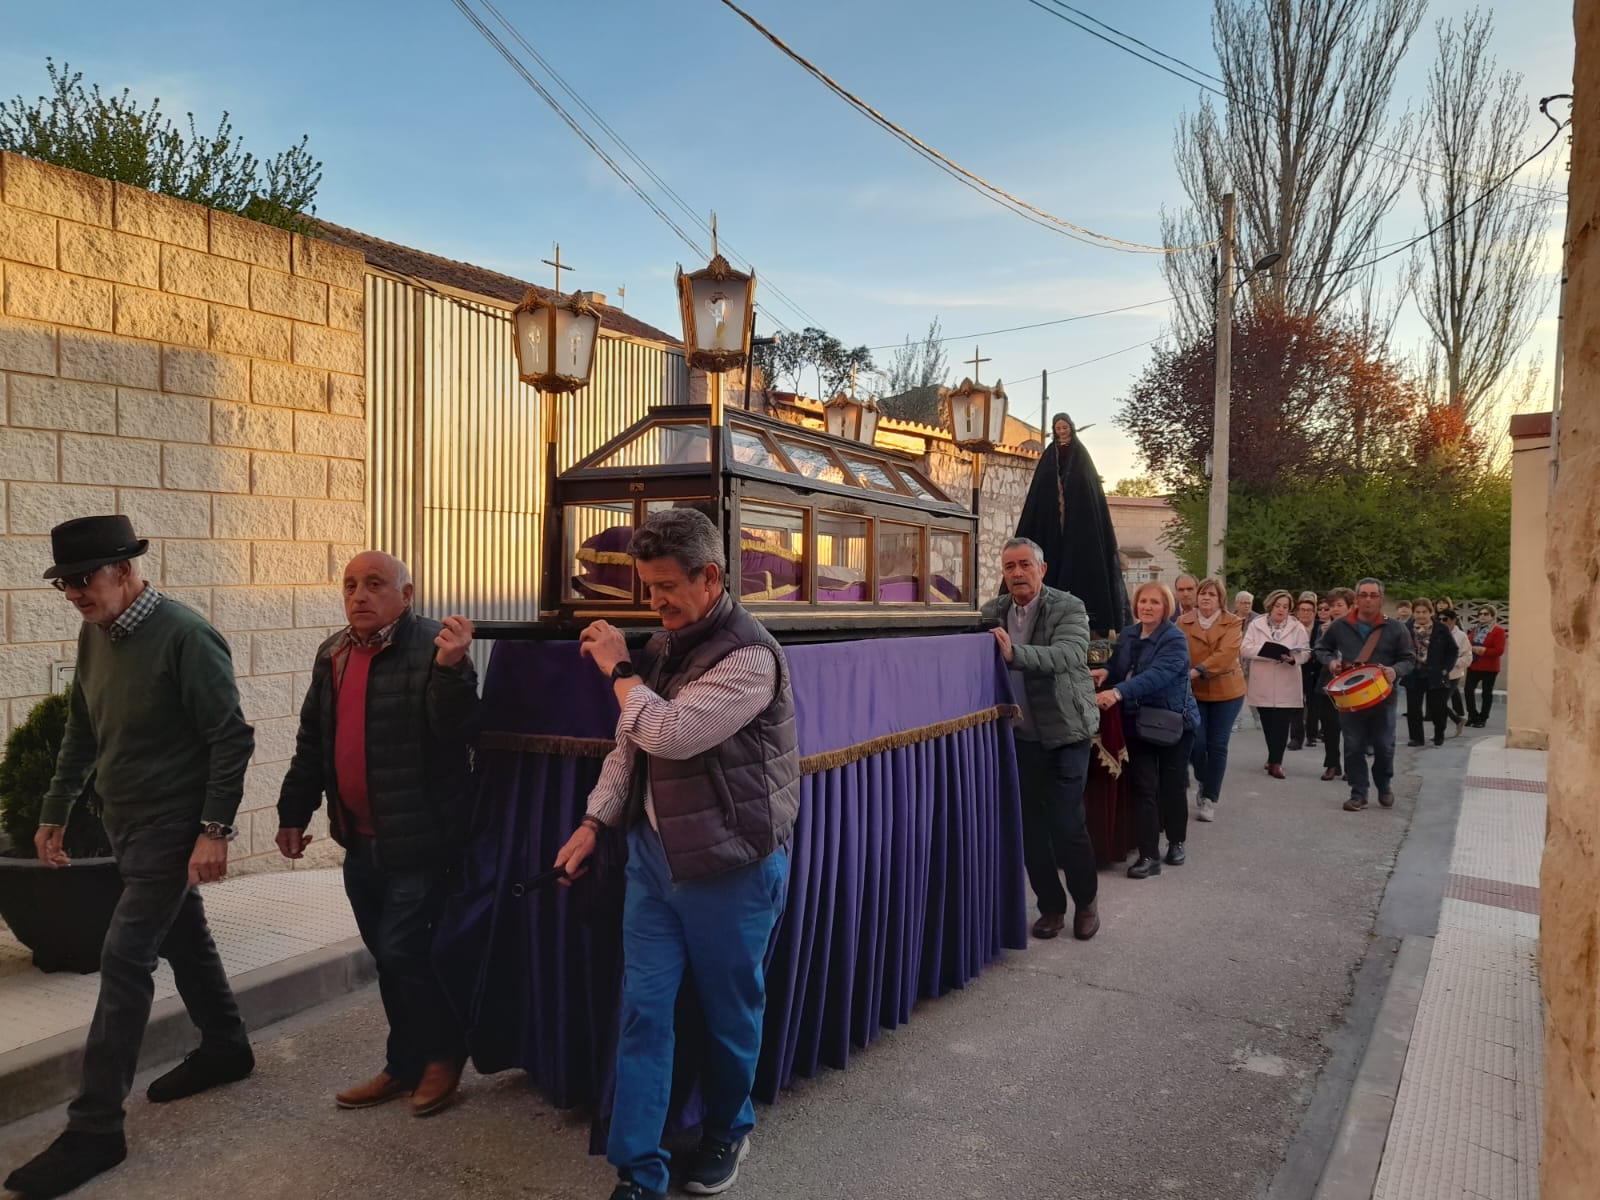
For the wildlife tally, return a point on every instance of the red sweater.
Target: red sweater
(1494, 645)
(350, 740)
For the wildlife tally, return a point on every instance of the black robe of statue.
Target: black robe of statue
(1067, 514)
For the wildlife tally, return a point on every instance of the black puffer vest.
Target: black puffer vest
(736, 803)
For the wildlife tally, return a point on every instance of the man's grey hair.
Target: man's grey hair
(1242, 595)
(685, 534)
(1013, 543)
(1377, 583)
(1194, 579)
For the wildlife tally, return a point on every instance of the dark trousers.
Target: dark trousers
(1055, 832)
(1458, 708)
(1297, 725)
(396, 912)
(1426, 704)
(1480, 681)
(159, 915)
(1210, 754)
(1327, 722)
(1371, 727)
(1160, 791)
(1276, 724)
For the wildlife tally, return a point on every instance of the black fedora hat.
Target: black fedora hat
(88, 542)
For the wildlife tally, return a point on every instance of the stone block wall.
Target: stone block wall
(1569, 883)
(1005, 487)
(203, 374)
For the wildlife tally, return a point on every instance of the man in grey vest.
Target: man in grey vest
(705, 778)
(1044, 636)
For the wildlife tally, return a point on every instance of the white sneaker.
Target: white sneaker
(1205, 810)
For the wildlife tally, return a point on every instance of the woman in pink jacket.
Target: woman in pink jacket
(1275, 646)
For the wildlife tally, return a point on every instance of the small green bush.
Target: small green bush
(25, 773)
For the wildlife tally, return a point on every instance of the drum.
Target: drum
(1359, 688)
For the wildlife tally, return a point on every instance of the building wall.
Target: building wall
(1142, 522)
(204, 375)
(1529, 672)
(1005, 488)
(1569, 940)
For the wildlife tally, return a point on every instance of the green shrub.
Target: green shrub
(25, 774)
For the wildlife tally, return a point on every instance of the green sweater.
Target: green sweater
(156, 718)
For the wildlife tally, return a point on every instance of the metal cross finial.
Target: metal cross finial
(852, 380)
(558, 265)
(713, 235)
(977, 361)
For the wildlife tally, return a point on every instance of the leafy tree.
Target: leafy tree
(813, 353)
(1138, 485)
(115, 138)
(918, 364)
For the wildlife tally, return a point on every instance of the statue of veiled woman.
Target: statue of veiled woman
(1067, 514)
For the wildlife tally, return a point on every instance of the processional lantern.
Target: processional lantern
(847, 416)
(719, 312)
(556, 337)
(977, 412)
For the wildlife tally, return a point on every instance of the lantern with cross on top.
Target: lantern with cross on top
(556, 337)
(977, 415)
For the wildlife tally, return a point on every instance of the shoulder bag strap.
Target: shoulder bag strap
(1371, 645)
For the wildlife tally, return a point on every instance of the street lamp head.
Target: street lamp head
(847, 416)
(556, 339)
(1267, 261)
(977, 415)
(718, 306)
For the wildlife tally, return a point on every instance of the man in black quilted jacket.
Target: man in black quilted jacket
(385, 732)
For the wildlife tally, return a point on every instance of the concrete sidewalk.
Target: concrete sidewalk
(1448, 1101)
(287, 940)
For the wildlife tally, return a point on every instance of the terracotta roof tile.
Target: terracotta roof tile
(464, 277)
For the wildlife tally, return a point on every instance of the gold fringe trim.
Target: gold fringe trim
(607, 558)
(1111, 762)
(811, 764)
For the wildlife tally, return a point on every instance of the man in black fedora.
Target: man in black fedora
(155, 718)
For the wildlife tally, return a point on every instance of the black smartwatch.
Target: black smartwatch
(623, 670)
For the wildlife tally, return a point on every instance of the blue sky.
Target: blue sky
(430, 139)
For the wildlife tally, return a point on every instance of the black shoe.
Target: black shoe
(628, 1190)
(1415, 742)
(1175, 854)
(203, 1069)
(70, 1161)
(715, 1165)
(1296, 744)
(1144, 868)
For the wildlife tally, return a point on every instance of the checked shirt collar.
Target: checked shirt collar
(145, 603)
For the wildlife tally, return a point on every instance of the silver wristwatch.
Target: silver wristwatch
(217, 831)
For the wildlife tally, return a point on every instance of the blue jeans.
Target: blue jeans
(1210, 756)
(719, 929)
(1372, 727)
(396, 912)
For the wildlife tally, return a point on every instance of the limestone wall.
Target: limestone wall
(1005, 487)
(1530, 671)
(203, 374)
(1570, 880)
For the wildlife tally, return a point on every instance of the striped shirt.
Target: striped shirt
(704, 714)
(145, 603)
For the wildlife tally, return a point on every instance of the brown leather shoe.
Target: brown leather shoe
(1048, 925)
(439, 1089)
(372, 1093)
(1329, 775)
(1275, 770)
(1086, 922)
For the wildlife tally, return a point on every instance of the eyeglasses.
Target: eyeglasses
(76, 582)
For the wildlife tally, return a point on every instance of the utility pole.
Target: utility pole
(1217, 514)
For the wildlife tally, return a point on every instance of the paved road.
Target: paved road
(1174, 1056)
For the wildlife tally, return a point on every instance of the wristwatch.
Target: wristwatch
(623, 670)
(217, 831)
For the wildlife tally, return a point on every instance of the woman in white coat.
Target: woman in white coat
(1275, 646)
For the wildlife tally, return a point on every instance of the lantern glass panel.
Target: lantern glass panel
(574, 348)
(533, 341)
(996, 413)
(597, 562)
(719, 312)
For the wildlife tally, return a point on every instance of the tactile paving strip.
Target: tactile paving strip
(1467, 1120)
(256, 921)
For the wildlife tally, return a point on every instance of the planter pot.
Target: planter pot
(60, 913)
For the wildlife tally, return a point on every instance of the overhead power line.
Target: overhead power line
(1086, 362)
(962, 337)
(948, 165)
(1059, 9)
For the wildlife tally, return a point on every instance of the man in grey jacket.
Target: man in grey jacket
(1044, 635)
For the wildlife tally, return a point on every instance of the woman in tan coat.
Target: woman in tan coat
(1218, 682)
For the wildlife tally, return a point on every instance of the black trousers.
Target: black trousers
(159, 915)
(1055, 831)
(1457, 707)
(1160, 791)
(1327, 721)
(1276, 724)
(1428, 704)
(1480, 681)
(396, 912)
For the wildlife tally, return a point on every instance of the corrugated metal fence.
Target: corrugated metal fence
(453, 479)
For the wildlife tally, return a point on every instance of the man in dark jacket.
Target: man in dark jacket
(1344, 645)
(705, 778)
(1044, 634)
(385, 732)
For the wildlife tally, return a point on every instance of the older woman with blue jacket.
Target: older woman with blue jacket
(1149, 670)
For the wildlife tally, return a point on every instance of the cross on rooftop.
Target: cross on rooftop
(557, 264)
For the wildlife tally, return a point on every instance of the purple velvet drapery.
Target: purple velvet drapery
(906, 875)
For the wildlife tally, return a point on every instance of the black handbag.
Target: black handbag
(1158, 726)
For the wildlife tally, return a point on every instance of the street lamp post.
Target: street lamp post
(718, 306)
(555, 344)
(977, 420)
